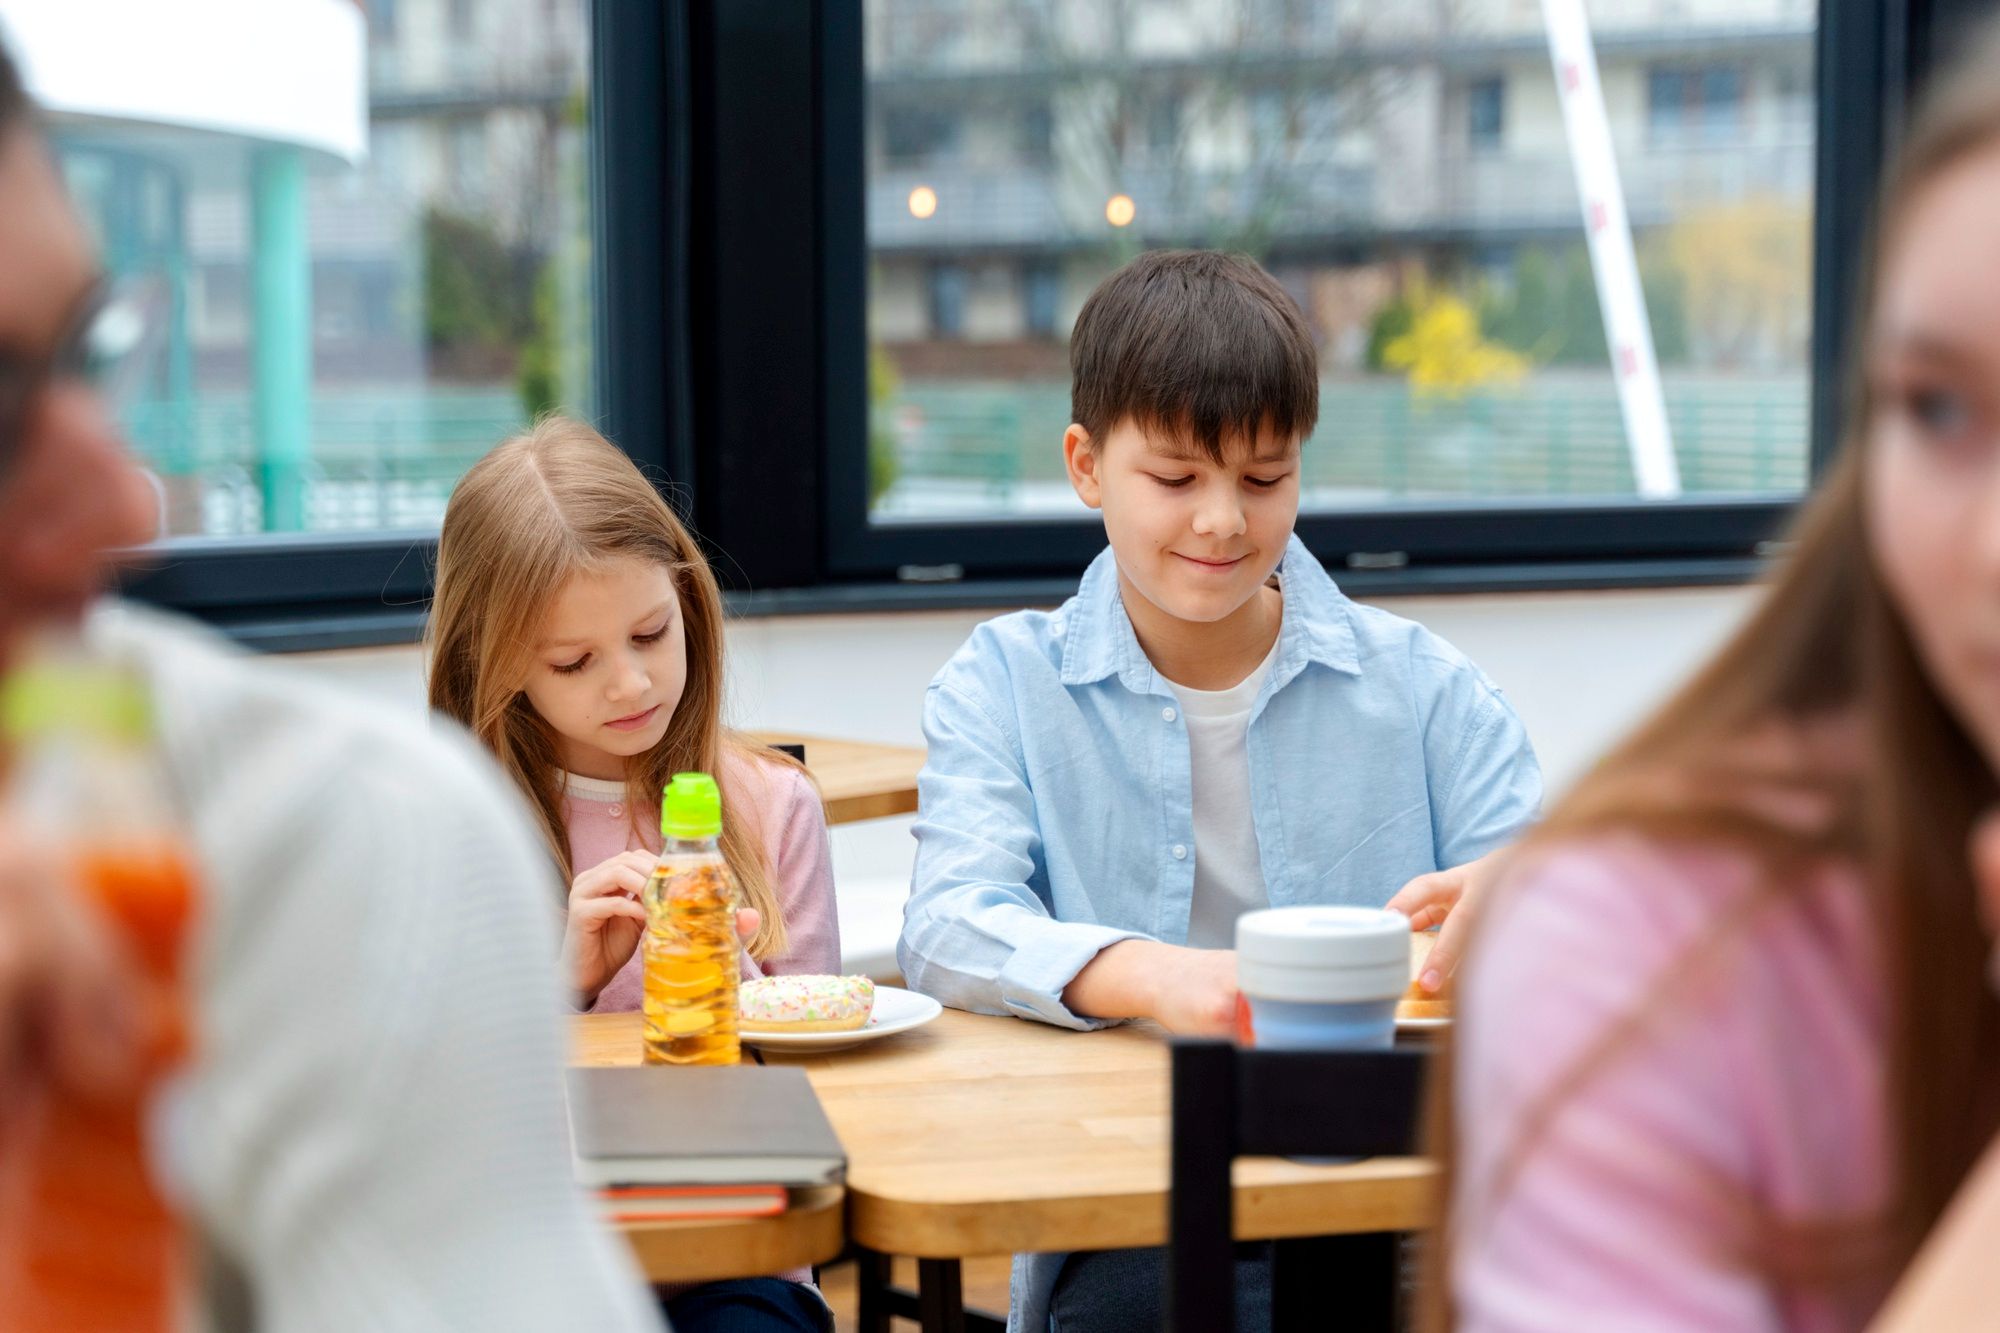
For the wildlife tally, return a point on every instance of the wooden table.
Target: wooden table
(980, 1136)
(858, 779)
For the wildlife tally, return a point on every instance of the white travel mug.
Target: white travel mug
(1321, 978)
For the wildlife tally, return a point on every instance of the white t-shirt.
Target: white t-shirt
(1228, 874)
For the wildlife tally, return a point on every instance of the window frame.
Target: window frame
(728, 183)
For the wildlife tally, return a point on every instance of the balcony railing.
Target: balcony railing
(1022, 207)
(970, 449)
(1660, 183)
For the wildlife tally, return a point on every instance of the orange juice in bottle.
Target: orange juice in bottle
(87, 1238)
(691, 949)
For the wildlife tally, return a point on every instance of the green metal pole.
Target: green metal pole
(178, 406)
(281, 345)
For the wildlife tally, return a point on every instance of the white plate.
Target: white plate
(1418, 1024)
(896, 1010)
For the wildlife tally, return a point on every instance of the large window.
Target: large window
(816, 261)
(1408, 174)
(335, 336)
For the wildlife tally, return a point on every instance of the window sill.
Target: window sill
(365, 627)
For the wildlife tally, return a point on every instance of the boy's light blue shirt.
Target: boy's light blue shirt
(1057, 814)
(1057, 807)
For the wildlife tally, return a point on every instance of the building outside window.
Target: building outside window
(950, 290)
(1041, 298)
(1035, 140)
(334, 333)
(1702, 105)
(1439, 254)
(1485, 113)
(918, 136)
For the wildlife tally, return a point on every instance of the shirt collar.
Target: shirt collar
(1098, 640)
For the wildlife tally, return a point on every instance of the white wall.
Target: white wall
(1579, 667)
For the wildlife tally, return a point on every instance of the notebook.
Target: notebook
(672, 1203)
(721, 1125)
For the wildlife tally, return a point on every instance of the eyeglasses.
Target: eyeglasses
(101, 335)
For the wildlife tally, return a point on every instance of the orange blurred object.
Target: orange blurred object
(87, 1241)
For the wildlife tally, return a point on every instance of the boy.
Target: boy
(1209, 726)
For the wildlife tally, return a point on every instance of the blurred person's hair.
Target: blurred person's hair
(14, 104)
(1195, 347)
(550, 504)
(1826, 647)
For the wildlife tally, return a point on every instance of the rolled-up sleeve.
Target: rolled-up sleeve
(976, 933)
(1486, 785)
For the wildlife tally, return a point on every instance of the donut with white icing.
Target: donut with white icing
(807, 1003)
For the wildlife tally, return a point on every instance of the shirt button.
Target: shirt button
(1180, 851)
(617, 809)
(1168, 715)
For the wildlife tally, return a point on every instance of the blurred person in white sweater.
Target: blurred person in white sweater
(372, 1136)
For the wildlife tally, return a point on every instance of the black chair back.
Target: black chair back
(1229, 1103)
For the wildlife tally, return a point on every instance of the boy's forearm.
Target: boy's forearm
(1121, 982)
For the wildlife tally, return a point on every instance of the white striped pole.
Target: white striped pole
(1620, 298)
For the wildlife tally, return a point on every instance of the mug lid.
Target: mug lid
(1324, 937)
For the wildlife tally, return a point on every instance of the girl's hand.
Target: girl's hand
(605, 921)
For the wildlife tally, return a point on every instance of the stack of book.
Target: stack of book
(659, 1143)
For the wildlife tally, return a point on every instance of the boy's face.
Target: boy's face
(1196, 539)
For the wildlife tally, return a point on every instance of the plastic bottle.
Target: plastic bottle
(691, 945)
(88, 1240)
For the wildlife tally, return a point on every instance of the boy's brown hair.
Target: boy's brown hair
(1199, 347)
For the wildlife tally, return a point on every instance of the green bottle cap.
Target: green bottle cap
(48, 698)
(691, 807)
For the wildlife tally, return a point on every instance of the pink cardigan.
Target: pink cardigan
(1758, 1080)
(791, 824)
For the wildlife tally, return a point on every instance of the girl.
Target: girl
(1727, 1044)
(577, 631)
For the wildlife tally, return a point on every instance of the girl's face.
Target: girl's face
(1933, 467)
(609, 666)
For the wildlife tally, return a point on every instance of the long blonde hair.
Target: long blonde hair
(541, 508)
(1828, 648)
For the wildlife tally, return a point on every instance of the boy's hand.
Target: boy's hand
(1197, 995)
(605, 921)
(1189, 991)
(1433, 900)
